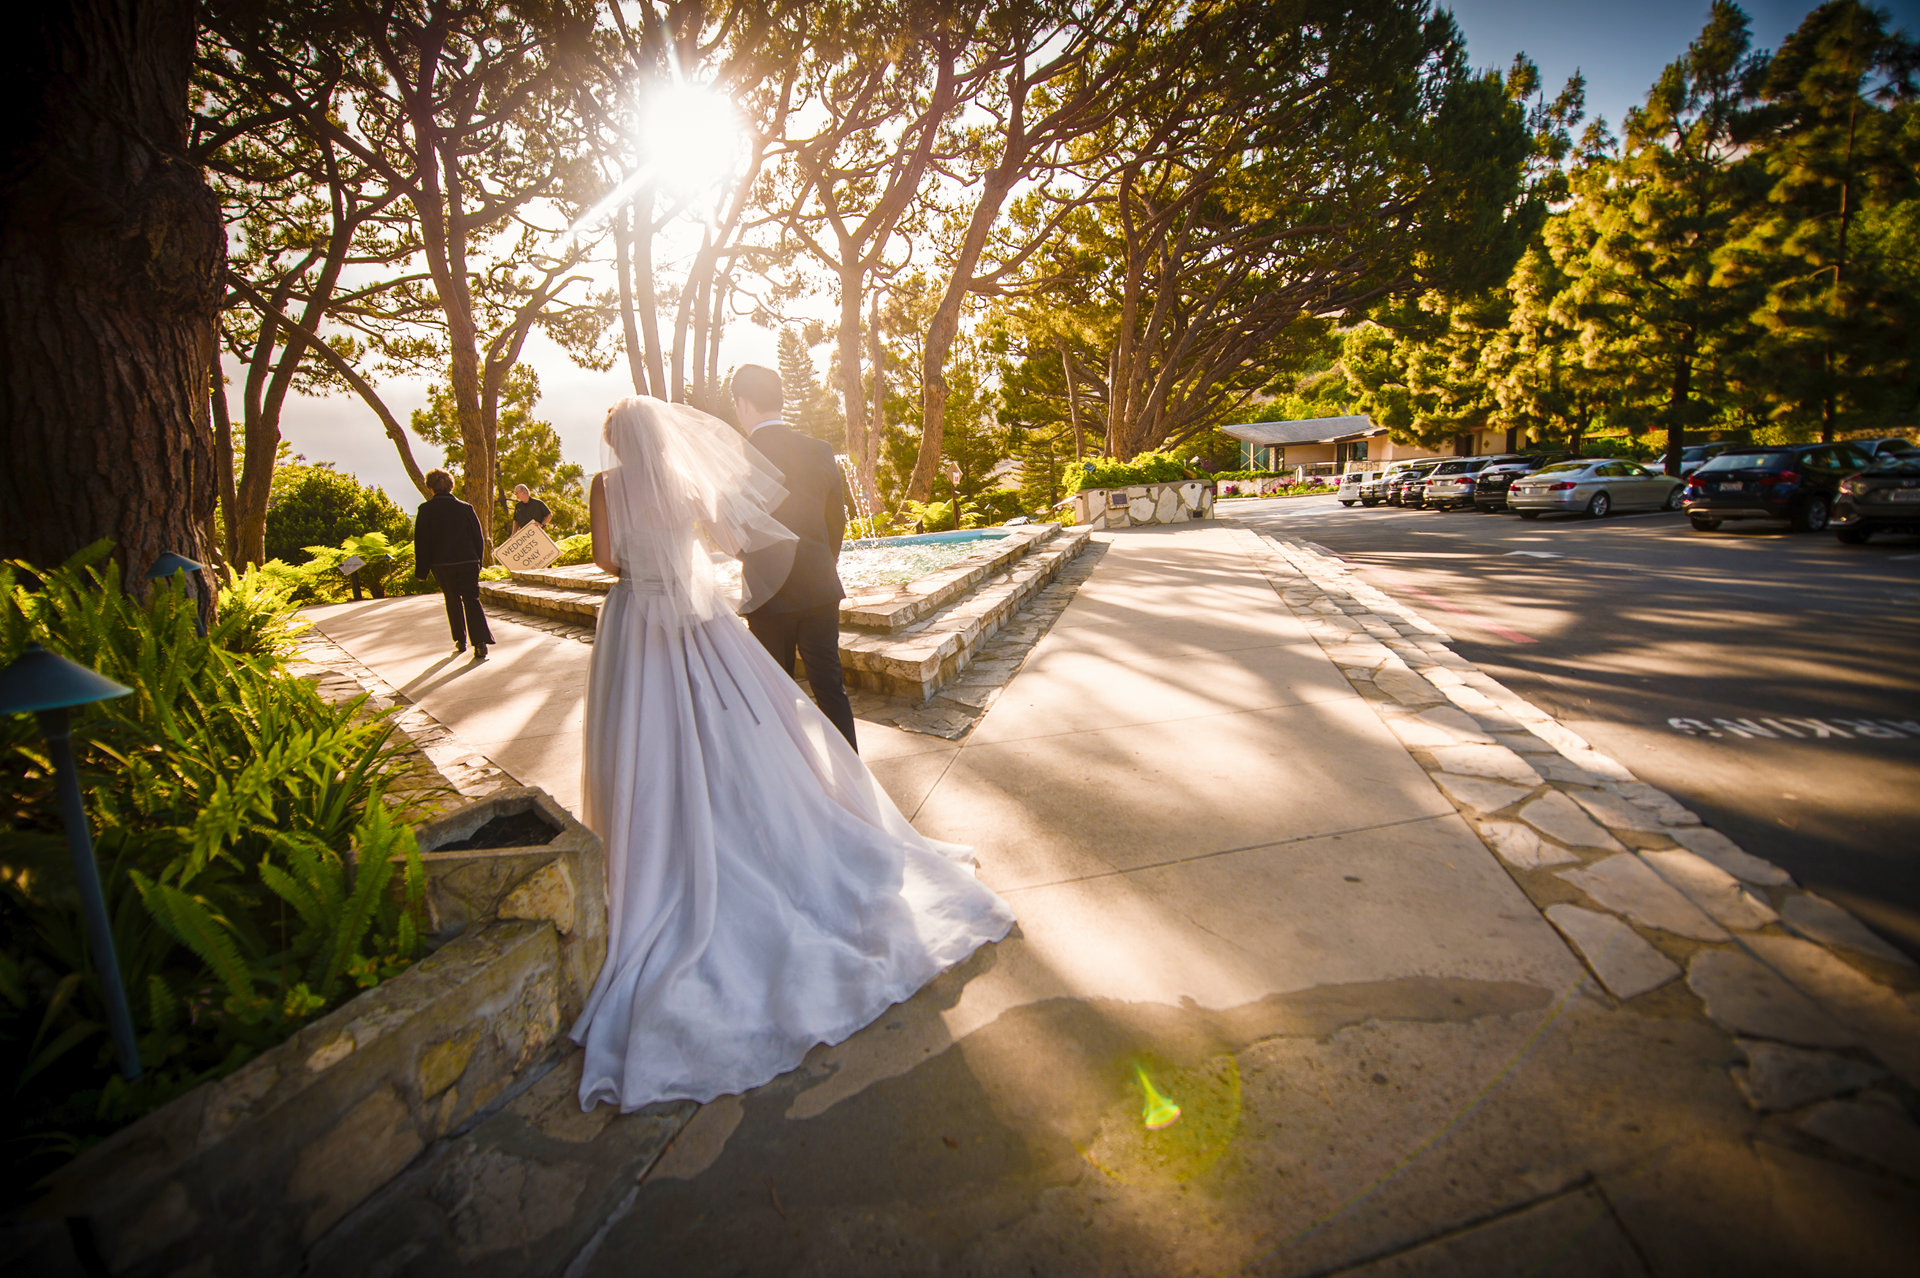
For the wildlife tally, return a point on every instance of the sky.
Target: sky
(1621, 46)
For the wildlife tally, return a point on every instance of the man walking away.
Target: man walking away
(528, 509)
(447, 542)
(804, 615)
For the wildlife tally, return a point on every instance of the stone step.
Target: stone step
(919, 660)
(914, 661)
(586, 577)
(891, 609)
(577, 604)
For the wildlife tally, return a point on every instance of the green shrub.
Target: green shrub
(932, 516)
(576, 550)
(1147, 468)
(318, 505)
(254, 875)
(388, 571)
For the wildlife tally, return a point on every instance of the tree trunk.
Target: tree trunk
(111, 255)
(223, 465)
(623, 272)
(860, 447)
(644, 296)
(868, 469)
(946, 318)
(1677, 408)
(1073, 405)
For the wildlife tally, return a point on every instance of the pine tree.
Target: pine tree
(527, 452)
(809, 407)
(1840, 303)
(1640, 239)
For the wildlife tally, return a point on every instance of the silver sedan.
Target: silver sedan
(1595, 486)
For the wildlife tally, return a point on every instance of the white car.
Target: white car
(1353, 487)
(1595, 485)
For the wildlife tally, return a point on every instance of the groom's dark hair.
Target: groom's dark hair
(759, 386)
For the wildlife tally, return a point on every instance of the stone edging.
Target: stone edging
(890, 609)
(955, 708)
(917, 661)
(340, 676)
(1825, 1013)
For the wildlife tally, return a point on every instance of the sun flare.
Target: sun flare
(691, 138)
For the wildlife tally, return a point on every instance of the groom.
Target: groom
(804, 615)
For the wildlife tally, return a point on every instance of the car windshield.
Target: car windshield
(1898, 464)
(1562, 467)
(1748, 461)
(1698, 452)
(1453, 468)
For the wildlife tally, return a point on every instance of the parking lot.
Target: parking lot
(1767, 679)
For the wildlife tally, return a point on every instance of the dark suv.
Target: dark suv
(1798, 483)
(1885, 497)
(1491, 485)
(1404, 487)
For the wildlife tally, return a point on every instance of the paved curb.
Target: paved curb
(1825, 1014)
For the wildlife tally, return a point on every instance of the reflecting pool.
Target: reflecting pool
(894, 561)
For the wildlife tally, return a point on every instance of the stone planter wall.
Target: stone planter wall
(562, 882)
(246, 1174)
(1144, 504)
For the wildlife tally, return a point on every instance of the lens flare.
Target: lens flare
(690, 137)
(1159, 1111)
(1146, 1137)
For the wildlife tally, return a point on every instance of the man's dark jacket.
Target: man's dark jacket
(816, 511)
(446, 532)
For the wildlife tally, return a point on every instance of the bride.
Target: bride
(764, 893)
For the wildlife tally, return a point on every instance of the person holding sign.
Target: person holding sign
(448, 543)
(528, 509)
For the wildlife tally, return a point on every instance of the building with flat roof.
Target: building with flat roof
(1335, 445)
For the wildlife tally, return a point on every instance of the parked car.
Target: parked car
(1595, 485)
(1454, 482)
(1694, 456)
(1798, 483)
(1491, 485)
(1885, 497)
(1891, 446)
(1405, 488)
(1353, 486)
(1374, 490)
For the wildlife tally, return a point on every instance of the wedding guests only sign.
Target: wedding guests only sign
(528, 550)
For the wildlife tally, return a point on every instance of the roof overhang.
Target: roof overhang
(1317, 430)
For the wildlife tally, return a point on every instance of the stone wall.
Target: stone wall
(246, 1174)
(1144, 504)
(243, 1175)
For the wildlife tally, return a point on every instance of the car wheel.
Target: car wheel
(1673, 499)
(1812, 515)
(1527, 514)
(1853, 534)
(1346, 503)
(1702, 524)
(1600, 505)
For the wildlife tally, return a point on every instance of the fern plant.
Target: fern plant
(255, 877)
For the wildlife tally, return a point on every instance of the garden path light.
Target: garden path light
(166, 566)
(49, 685)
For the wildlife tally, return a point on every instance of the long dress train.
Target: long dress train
(765, 893)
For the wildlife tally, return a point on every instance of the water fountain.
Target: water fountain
(862, 511)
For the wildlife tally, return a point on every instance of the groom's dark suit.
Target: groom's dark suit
(804, 616)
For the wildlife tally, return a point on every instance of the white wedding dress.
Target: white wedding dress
(765, 895)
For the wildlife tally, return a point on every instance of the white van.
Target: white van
(1352, 483)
